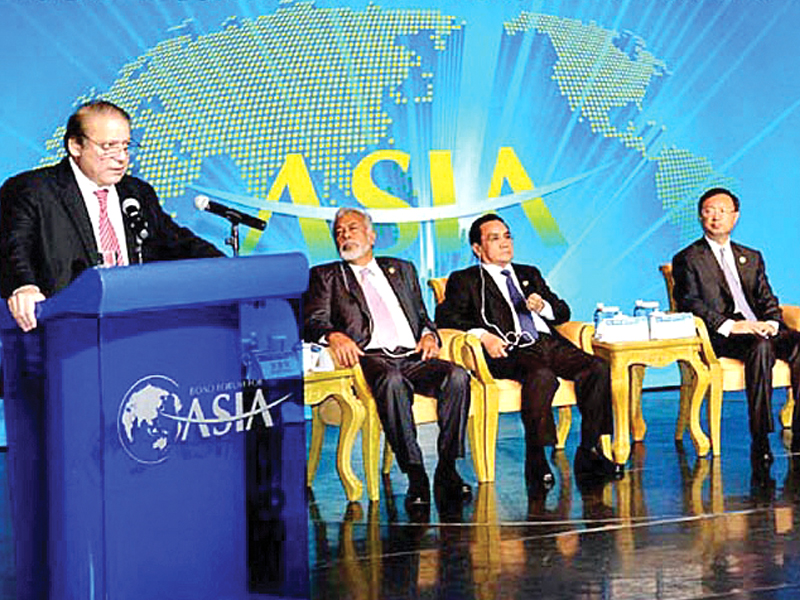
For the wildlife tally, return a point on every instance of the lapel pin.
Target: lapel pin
(742, 260)
(391, 270)
(524, 283)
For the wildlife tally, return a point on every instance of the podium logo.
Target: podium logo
(153, 417)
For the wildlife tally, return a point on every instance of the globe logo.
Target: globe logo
(146, 422)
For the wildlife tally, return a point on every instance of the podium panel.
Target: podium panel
(174, 440)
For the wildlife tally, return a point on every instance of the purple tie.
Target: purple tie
(739, 301)
(109, 245)
(520, 306)
(384, 333)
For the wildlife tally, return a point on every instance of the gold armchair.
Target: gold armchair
(342, 397)
(727, 374)
(504, 395)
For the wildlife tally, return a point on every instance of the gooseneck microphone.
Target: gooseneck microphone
(203, 202)
(136, 223)
(132, 210)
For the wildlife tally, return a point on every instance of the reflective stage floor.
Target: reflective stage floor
(676, 526)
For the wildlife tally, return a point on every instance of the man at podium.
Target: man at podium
(85, 211)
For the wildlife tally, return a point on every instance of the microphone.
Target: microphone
(134, 219)
(202, 202)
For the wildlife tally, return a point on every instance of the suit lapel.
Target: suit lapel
(69, 195)
(353, 287)
(712, 266)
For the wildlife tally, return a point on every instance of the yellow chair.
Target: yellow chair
(333, 406)
(728, 373)
(505, 395)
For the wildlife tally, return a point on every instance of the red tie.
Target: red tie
(109, 245)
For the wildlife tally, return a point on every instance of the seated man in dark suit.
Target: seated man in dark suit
(370, 311)
(726, 285)
(513, 311)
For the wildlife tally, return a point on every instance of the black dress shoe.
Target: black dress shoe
(537, 470)
(448, 485)
(761, 454)
(592, 464)
(419, 487)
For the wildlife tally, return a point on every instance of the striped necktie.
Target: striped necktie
(109, 244)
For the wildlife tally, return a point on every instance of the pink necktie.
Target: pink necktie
(109, 245)
(384, 332)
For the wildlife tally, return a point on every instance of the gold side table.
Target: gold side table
(628, 360)
(336, 385)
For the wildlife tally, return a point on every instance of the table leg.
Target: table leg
(352, 418)
(637, 418)
(620, 404)
(701, 382)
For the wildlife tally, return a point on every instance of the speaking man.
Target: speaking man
(56, 222)
(513, 311)
(369, 311)
(84, 211)
(726, 285)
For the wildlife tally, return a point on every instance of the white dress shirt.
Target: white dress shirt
(405, 337)
(88, 188)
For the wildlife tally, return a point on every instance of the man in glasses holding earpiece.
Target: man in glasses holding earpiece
(514, 312)
(369, 311)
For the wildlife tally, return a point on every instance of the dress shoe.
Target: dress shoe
(537, 471)
(419, 487)
(761, 454)
(592, 464)
(448, 484)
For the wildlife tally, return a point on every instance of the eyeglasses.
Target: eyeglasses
(710, 211)
(495, 237)
(110, 149)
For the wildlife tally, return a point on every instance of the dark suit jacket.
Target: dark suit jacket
(46, 236)
(700, 285)
(472, 301)
(334, 301)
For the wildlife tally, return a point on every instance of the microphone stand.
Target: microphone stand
(233, 240)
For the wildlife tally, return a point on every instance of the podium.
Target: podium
(156, 434)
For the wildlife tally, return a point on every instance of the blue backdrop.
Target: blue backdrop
(592, 126)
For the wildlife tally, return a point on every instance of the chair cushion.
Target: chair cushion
(733, 374)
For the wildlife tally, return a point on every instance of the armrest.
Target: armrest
(468, 352)
(709, 355)
(791, 316)
(579, 333)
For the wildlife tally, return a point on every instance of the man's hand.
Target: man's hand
(494, 346)
(344, 349)
(535, 303)
(761, 328)
(429, 346)
(22, 305)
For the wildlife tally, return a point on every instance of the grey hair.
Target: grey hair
(351, 210)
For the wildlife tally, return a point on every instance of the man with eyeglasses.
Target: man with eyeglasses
(513, 311)
(725, 284)
(57, 221)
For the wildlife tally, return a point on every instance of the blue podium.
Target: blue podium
(156, 434)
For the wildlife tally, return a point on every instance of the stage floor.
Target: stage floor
(675, 527)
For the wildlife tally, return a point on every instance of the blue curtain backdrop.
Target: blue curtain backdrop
(591, 126)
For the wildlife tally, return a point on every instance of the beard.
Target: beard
(351, 251)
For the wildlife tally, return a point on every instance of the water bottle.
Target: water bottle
(644, 308)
